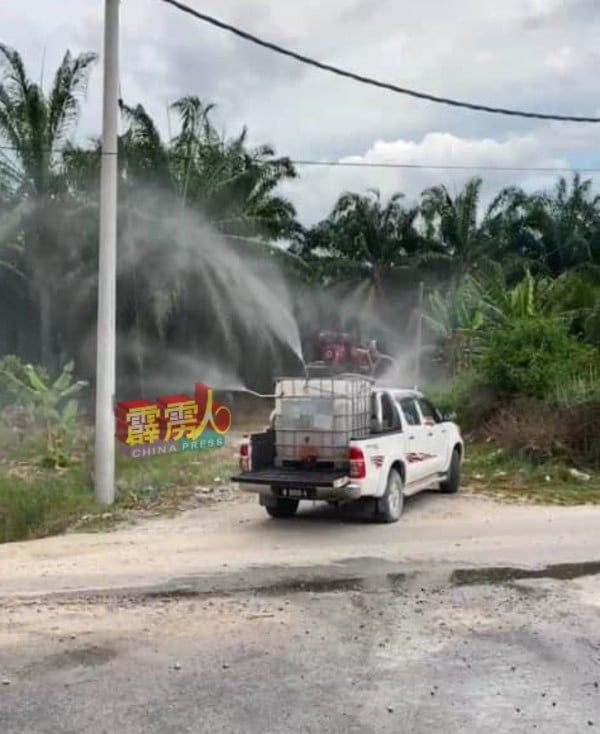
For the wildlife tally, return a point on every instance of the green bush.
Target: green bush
(530, 356)
(466, 397)
(592, 326)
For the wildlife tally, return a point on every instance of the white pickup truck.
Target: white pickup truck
(347, 440)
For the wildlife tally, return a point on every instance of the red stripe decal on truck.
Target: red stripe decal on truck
(414, 457)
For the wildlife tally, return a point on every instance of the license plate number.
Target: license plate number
(297, 494)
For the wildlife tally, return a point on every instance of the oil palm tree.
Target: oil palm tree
(566, 225)
(234, 185)
(458, 235)
(35, 126)
(365, 244)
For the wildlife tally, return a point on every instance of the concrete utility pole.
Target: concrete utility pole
(104, 475)
(419, 340)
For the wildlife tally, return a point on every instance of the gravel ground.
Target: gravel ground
(466, 616)
(424, 656)
(238, 536)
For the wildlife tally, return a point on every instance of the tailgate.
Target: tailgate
(294, 478)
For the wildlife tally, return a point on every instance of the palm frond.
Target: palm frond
(69, 86)
(12, 71)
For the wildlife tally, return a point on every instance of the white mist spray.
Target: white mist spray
(244, 290)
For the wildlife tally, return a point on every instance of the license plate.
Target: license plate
(298, 494)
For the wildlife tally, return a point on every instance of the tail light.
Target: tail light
(358, 467)
(244, 455)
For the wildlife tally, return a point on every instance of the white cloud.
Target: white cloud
(447, 149)
(316, 192)
(562, 60)
(532, 54)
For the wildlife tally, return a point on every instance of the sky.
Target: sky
(537, 55)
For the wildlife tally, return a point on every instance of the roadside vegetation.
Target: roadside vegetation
(512, 313)
(37, 500)
(504, 475)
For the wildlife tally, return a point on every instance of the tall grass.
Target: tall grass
(578, 403)
(44, 505)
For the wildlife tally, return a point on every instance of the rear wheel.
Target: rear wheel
(452, 483)
(390, 506)
(280, 507)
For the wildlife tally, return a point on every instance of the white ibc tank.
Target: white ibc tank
(318, 417)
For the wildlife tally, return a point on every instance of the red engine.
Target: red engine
(362, 357)
(334, 347)
(338, 352)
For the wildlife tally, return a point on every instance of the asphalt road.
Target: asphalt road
(464, 617)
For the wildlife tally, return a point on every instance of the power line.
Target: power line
(448, 166)
(60, 151)
(367, 80)
(368, 164)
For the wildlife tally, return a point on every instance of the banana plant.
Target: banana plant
(463, 319)
(457, 320)
(50, 401)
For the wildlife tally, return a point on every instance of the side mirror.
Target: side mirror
(448, 416)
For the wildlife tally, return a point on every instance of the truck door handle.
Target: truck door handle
(430, 434)
(411, 438)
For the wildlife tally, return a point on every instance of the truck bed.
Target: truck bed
(309, 482)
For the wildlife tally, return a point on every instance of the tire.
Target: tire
(390, 506)
(280, 507)
(452, 484)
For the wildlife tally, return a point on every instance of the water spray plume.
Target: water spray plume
(196, 305)
(236, 295)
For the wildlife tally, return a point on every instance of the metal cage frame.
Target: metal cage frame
(350, 418)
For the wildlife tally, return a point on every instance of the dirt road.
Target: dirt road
(435, 529)
(464, 617)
